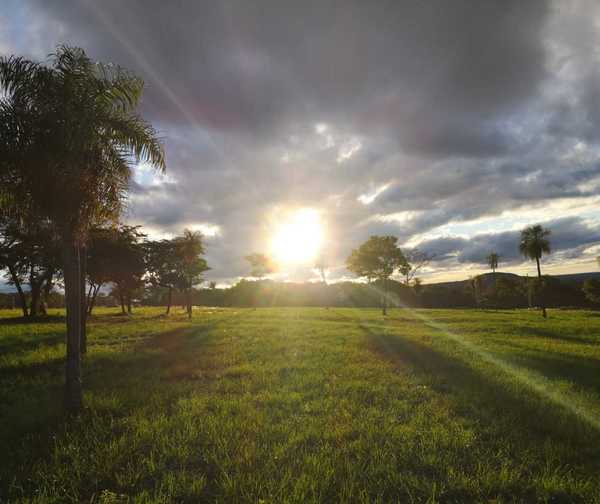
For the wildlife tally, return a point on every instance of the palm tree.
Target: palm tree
(534, 243)
(70, 135)
(492, 260)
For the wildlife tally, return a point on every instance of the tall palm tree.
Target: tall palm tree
(534, 243)
(70, 135)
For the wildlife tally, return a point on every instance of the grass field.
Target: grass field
(306, 405)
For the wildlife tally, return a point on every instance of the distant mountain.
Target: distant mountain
(577, 278)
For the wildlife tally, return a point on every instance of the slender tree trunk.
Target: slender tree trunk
(15, 280)
(129, 304)
(189, 302)
(84, 308)
(542, 303)
(324, 278)
(46, 292)
(34, 292)
(88, 297)
(72, 277)
(35, 298)
(93, 298)
(384, 311)
(122, 299)
(169, 299)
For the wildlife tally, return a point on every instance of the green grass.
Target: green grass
(306, 405)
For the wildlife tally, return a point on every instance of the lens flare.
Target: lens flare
(298, 238)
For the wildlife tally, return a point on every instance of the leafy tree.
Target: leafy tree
(492, 260)
(30, 253)
(128, 266)
(68, 137)
(415, 261)
(115, 255)
(378, 258)
(591, 289)
(260, 264)
(101, 252)
(534, 243)
(190, 264)
(162, 265)
(9, 259)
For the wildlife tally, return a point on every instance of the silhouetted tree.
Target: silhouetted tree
(261, 265)
(534, 243)
(591, 289)
(128, 265)
(415, 261)
(9, 260)
(162, 265)
(101, 251)
(68, 137)
(321, 267)
(378, 258)
(191, 264)
(492, 260)
(31, 255)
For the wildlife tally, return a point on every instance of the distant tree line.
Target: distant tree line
(119, 259)
(507, 291)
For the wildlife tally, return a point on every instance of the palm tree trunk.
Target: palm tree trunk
(537, 260)
(169, 300)
(72, 277)
(84, 308)
(15, 280)
(189, 302)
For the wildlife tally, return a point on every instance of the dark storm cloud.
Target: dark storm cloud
(460, 109)
(434, 75)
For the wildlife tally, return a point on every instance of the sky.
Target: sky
(451, 125)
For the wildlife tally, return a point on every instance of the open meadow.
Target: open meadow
(305, 405)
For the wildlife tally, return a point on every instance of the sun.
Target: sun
(298, 237)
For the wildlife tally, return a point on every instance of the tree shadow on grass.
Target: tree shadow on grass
(555, 335)
(40, 319)
(582, 371)
(34, 413)
(523, 417)
(17, 345)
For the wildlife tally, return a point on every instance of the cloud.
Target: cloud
(443, 123)
(568, 235)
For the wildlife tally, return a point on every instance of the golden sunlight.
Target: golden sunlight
(298, 237)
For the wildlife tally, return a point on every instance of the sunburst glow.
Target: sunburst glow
(298, 238)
